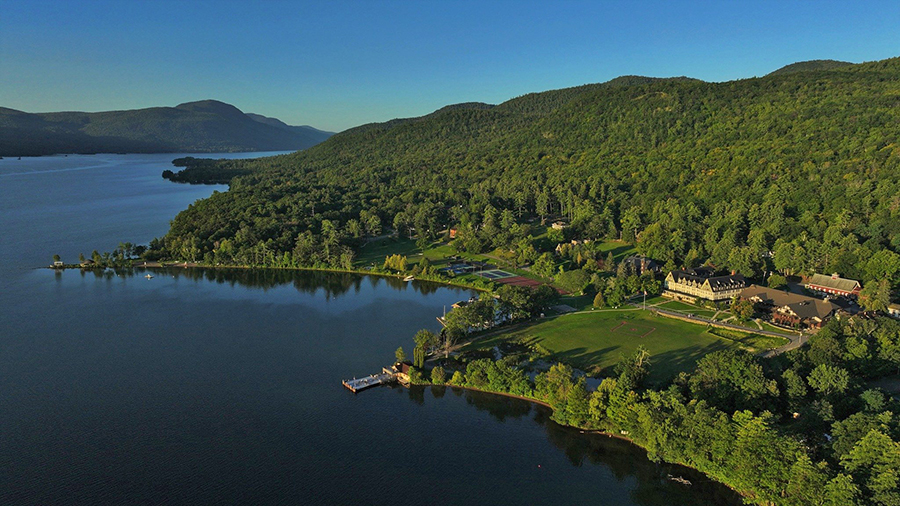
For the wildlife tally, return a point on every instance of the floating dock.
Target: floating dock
(357, 385)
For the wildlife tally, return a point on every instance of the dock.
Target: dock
(360, 384)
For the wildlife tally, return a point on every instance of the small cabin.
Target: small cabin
(401, 371)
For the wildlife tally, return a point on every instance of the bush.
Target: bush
(573, 281)
(458, 378)
(416, 377)
(438, 377)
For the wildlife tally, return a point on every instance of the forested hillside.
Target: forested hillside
(205, 126)
(795, 171)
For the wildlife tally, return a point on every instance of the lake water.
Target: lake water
(202, 387)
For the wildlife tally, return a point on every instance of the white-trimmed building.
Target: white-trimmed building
(701, 283)
(833, 285)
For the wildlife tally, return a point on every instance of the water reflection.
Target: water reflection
(331, 284)
(625, 460)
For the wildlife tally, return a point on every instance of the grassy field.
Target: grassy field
(375, 251)
(674, 305)
(595, 341)
(619, 249)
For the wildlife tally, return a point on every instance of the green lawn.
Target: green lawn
(674, 305)
(596, 340)
(375, 251)
(752, 342)
(620, 249)
(773, 328)
(579, 302)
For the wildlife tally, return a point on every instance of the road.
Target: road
(795, 340)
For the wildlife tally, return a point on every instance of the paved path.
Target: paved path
(795, 340)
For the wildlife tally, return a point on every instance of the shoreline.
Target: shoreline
(539, 403)
(586, 431)
(583, 430)
(195, 265)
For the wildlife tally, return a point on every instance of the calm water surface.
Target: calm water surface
(201, 387)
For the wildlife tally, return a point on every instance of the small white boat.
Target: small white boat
(408, 278)
(149, 276)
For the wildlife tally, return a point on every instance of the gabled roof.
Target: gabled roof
(800, 305)
(834, 282)
(637, 261)
(701, 275)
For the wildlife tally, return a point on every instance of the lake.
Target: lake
(202, 386)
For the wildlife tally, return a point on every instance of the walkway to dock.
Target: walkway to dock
(356, 385)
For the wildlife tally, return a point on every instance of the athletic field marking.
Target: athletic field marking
(634, 329)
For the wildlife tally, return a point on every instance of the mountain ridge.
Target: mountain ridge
(195, 127)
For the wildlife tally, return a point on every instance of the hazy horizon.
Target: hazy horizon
(343, 64)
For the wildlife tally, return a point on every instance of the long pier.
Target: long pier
(360, 384)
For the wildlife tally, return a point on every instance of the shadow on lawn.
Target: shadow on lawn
(665, 366)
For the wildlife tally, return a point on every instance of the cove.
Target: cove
(202, 386)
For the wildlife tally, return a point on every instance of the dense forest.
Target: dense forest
(803, 429)
(205, 126)
(795, 172)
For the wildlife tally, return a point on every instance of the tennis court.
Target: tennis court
(519, 281)
(495, 274)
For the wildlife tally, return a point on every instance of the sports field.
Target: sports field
(495, 274)
(595, 341)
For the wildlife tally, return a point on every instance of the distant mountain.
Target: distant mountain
(313, 133)
(196, 127)
(811, 65)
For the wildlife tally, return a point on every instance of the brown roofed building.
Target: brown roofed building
(790, 309)
(702, 283)
(641, 264)
(833, 285)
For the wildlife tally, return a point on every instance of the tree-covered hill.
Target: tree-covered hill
(205, 126)
(806, 66)
(797, 171)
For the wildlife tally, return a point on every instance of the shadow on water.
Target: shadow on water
(654, 487)
(332, 284)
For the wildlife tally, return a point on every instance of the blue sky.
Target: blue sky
(337, 64)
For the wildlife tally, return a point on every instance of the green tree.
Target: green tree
(458, 378)
(742, 309)
(598, 300)
(884, 265)
(416, 377)
(577, 412)
(776, 281)
(56, 258)
(634, 369)
(544, 266)
(438, 376)
(841, 491)
(875, 464)
(875, 296)
(419, 356)
(829, 380)
(400, 355)
(732, 380)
